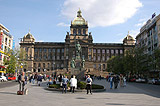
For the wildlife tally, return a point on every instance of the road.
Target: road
(153, 90)
(137, 88)
(7, 84)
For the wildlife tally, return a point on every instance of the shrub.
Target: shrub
(94, 86)
(81, 85)
(57, 86)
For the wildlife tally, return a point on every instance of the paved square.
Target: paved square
(38, 96)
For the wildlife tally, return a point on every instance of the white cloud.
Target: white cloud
(141, 22)
(63, 24)
(134, 33)
(40, 41)
(102, 12)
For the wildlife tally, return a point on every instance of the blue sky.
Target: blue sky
(49, 20)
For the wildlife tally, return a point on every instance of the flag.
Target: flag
(153, 15)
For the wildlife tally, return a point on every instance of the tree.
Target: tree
(14, 59)
(157, 58)
(10, 62)
(115, 64)
(129, 61)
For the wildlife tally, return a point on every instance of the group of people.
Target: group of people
(116, 79)
(64, 82)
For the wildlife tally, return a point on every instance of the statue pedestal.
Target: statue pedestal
(79, 73)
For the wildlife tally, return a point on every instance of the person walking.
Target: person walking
(121, 80)
(73, 84)
(60, 79)
(39, 79)
(64, 84)
(124, 81)
(116, 81)
(89, 84)
(25, 79)
(111, 81)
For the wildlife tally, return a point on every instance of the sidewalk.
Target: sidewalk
(38, 96)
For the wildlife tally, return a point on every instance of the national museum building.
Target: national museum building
(49, 56)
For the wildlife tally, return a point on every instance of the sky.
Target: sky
(49, 20)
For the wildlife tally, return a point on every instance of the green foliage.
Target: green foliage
(115, 64)
(94, 86)
(10, 62)
(57, 86)
(134, 61)
(156, 59)
(13, 60)
(81, 85)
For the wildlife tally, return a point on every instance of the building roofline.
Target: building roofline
(4, 27)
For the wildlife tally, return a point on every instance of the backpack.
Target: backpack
(88, 80)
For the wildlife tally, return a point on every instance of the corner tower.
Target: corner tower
(27, 43)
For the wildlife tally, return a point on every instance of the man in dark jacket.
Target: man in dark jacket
(116, 81)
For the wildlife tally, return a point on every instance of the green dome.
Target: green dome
(79, 20)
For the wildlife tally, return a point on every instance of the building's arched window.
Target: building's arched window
(79, 31)
(74, 31)
(84, 31)
(39, 65)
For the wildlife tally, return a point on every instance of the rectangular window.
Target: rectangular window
(57, 65)
(107, 51)
(121, 51)
(99, 51)
(103, 58)
(62, 50)
(57, 57)
(43, 65)
(45, 50)
(90, 50)
(99, 58)
(9, 43)
(94, 58)
(112, 51)
(66, 57)
(107, 57)
(103, 51)
(49, 50)
(53, 57)
(90, 57)
(62, 57)
(62, 65)
(58, 50)
(6, 41)
(94, 50)
(53, 50)
(116, 51)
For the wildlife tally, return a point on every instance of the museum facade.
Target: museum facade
(50, 56)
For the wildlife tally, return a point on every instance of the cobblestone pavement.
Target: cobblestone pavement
(38, 96)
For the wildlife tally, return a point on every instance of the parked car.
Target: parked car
(157, 82)
(11, 78)
(151, 80)
(142, 80)
(132, 79)
(3, 78)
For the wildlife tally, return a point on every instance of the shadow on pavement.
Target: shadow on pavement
(135, 88)
(9, 93)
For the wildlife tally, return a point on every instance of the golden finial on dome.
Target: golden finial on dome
(79, 13)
